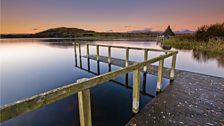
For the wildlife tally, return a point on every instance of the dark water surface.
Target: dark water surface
(33, 66)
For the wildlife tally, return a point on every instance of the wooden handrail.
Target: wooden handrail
(135, 48)
(9, 111)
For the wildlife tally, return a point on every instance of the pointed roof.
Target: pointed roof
(168, 32)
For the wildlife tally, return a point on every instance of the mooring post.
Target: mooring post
(87, 50)
(160, 75)
(145, 59)
(97, 53)
(172, 71)
(127, 57)
(80, 56)
(136, 91)
(84, 106)
(109, 54)
(75, 54)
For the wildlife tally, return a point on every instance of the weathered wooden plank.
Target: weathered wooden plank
(97, 52)
(127, 57)
(145, 59)
(173, 67)
(160, 76)
(84, 106)
(136, 91)
(109, 55)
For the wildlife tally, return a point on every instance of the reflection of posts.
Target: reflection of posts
(109, 67)
(80, 56)
(88, 63)
(98, 67)
(84, 106)
(160, 75)
(144, 82)
(172, 71)
(109, 58)
(126, 80)
(75, 54)
(136, 91)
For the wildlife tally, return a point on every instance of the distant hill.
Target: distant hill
(76, 33)
(63, 32)
(146, 30)
(186, 31)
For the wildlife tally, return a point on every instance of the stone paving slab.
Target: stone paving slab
(191, 100)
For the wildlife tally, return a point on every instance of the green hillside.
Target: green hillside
(64, 33)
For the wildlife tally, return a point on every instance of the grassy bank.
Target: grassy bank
(212, 46)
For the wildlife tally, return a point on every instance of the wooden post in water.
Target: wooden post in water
(127, 57)
(172, 71)
(97, 53)
(160, 75)
(109, 54)
(145, 59)
(87, 50)
(84, 106)
(75, 54)
(136, 91)
(80, 56)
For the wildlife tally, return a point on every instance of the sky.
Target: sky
(31, 16)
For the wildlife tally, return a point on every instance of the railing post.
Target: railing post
(127, 57)
(97, 53)
(75, 54)
(172, 71)
(80, 56)
(84, 106)
(136, 91)
(87, 50)
(109, 54)
(160, 75)
(145, 59)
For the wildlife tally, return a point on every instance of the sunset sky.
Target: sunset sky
(31, 16)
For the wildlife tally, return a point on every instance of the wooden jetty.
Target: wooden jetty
(83, 86)
(191, 98)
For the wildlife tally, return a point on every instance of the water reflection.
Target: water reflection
(204, 56)
(124, 84)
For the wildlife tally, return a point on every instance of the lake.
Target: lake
(33, 66)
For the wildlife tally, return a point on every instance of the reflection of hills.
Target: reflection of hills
(61, 43)
(204, 56)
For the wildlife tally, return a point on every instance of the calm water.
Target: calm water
(32, 66)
